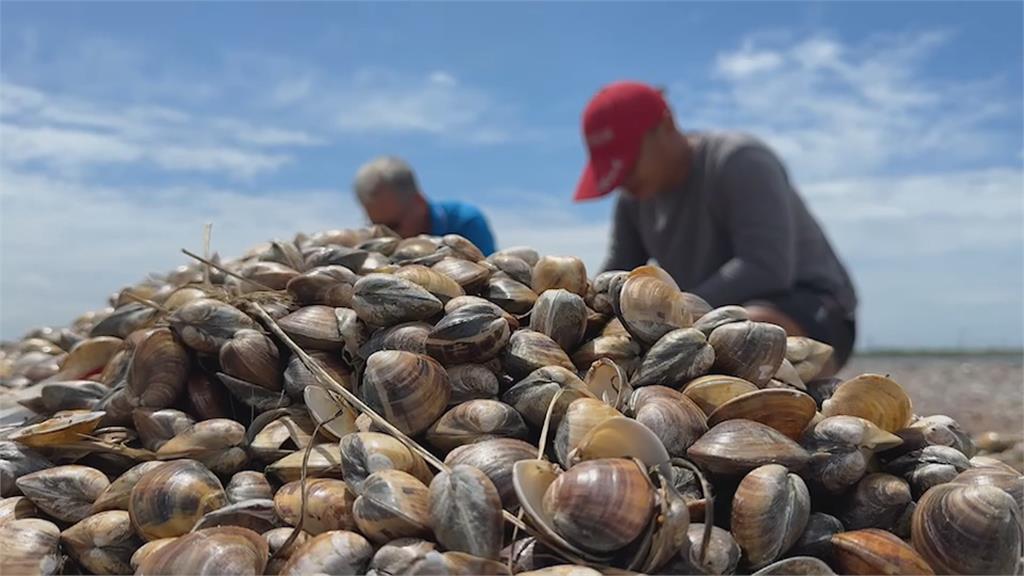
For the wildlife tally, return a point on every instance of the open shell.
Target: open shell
(874, 398)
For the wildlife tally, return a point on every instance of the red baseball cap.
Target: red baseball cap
(614, 124)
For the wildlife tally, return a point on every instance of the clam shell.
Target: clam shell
(600, 505)
(1009, 481)
(117, 495)
(796, 565)
(816, 540)
(397, 556)
(469, 334)
(393, 505)
(620, 349)
(649, 307)
(314, 327)
(520, 270)
(677, 357)
(326, 285)
(55, 431)
(528, 350)
(364, 453)
(873, 551)
(720, 316)
(877, 501)
(248, 485)
(673, 418)
(280, 555)
(297, 377)
(213, 551)
(472, 382)
(282, 436)
(206, 324)
(386, 300)
(66, 492)
(156, 427)
(562, 316)
(16, 508)
(169, 500)
(840, 449)
(336, 417)
(31, 546)
(532, 395)
(513, 297)
(608, 381)
(466, 512)
(872, 397)
(334, 255)
(788, 411)
(567, 272)
(769, 512)
(324, 461)
(711, 391)
(473, 421)
(336, 552)
(252, 356)
(495, 458)
(408, 336)
(808, 356)
(87, 358)
(749, 350)
(328, 505)
(469, 275)
(103, 543)
(410, 390)
(738, 446)
(441, 286)
(580, 418)
(952, 523)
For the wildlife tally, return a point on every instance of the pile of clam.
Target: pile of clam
(354, 403)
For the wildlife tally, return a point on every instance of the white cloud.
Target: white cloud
(747, 62)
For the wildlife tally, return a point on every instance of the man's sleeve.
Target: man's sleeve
(753, 201)
(477, 230)
(626, 249)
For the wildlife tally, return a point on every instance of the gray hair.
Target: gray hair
(389, 171)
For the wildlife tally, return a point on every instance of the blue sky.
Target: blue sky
(125, 127)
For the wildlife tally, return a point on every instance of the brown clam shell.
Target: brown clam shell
(738, 446)
(788, 411)
(873, 551)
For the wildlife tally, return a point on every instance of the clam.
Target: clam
(495, 458)
(208, 397)
(808, 356)
(248, 485)
(87, 358)
(786, 377)
(769, 512)
(788, 411)
(66, 492)
(1007, 480)
(328, 505)
(562, 570)
(749, 350)
(215, 443)
(16, 508)
(528, 350)
(156, 427)
(517, 268)
(953, 524)
(600, 505)
(873, 551)
(567, 272)
(532, 395)
(158, 371)
(286, 253)
(720, 316)
(103, 543)
(117, 495)
(677, 357)
(930, 466)
(474, 333)
(439, 285)
(283, 435)
(874, 398)
(471, 382)
(324, 461)
(480, 304)
(410, 390)
(816, 540)
(206, 324)
(252, 356)
(335, 552)
(314, 327)
(17, 460)
(407, 336)
(738, 446)
(212, 551)
(462, 247)
(620, 349)
(397, 556)
(297, 377)
(711, 391)
(124, 320)
(877, 501)
(273, 275)
(580, 418)
(71, 395)
(169, 500)
(364, 453)
(796, 565)
(469, 275)
(326, 285)
(60, 429)
(276, 541)
(608, 381)
(455, 564)
(698, 306)
(466, 513)
(524, 253)
(31, 546)
(393, 504)
(936, 430)
(840, 448)
(650, 307)
(386, 300)
(473, 421)
(414, 248)
(722, 555)
(513, 297)
(333, 255)
(673, 417)
(561, 315)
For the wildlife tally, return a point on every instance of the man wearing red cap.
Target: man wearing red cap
(718, 212)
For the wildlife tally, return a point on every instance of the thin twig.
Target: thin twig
(207, 230)
(237, 276)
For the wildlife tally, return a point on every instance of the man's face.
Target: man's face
(647, 178)
(395, 212)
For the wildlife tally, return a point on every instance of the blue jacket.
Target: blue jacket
(454, 217)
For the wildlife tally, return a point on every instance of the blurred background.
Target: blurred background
(126, 127)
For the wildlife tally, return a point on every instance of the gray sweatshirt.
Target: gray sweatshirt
(736, 231)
